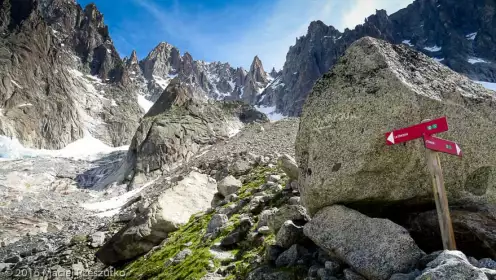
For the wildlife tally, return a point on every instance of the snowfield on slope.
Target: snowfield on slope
(87, 148)
(271, 113)
(491, 86)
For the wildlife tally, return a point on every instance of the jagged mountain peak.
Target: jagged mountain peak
(162, 48)
(257, 71)
(134, 57)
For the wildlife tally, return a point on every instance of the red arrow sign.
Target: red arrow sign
(416, 131)
(442, 145)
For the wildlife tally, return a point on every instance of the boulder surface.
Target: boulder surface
(172, 209)
(375, 248)
(377, 87)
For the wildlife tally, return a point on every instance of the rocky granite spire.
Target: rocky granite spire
(274, 73)
(161, 61)
(257, 72)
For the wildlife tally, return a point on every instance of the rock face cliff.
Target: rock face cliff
(61, 77)
(459, 34)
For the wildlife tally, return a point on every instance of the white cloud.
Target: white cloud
(361, 9)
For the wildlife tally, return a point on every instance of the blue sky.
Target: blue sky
(229, 31)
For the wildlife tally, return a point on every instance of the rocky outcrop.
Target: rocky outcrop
(172, 209)
(460, 35)
(47, 100)
(391, 86)
(177, 127)
(376, 248)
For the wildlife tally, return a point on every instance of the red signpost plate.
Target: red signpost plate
(416, 131)
(442, 145)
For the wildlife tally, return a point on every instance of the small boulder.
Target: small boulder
(241, 167)
(97, 239)
(217, 221)
(376, 248)
(289, 166)
(237, 235)
(229, 185)
(332, 267)
(452, 265)
(273, 178)
(265, 230)
(290, 256)
(487, 263)
(295, 200)
(13, 259)
(312, 271)
(272, 253)
(268, 273)
(263, 219)
(406, 276)
(289, 234)
(182, 255)
(351, 275)
(287, 212)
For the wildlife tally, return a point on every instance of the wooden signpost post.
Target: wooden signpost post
(433, 145)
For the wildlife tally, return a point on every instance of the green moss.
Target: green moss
(256, 179)
(194, 266)
(248, 255)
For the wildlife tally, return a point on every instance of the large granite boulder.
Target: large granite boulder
(374, 88)
(172, 209)
(375, 248)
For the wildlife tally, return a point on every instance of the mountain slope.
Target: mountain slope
(62, 78)
(460, 34)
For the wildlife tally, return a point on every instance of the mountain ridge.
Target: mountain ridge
(460, 35)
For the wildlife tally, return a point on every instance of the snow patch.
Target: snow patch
(407, 42)
(474, 60)
(488, 85)
(144, 103)
(24, 105)
(471, 36)
(433, 49)
(110, 207)
(277, 83)
(161, 82)
(87, 147)
(270, 111)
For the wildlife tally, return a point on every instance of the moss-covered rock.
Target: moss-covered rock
(202, 258)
